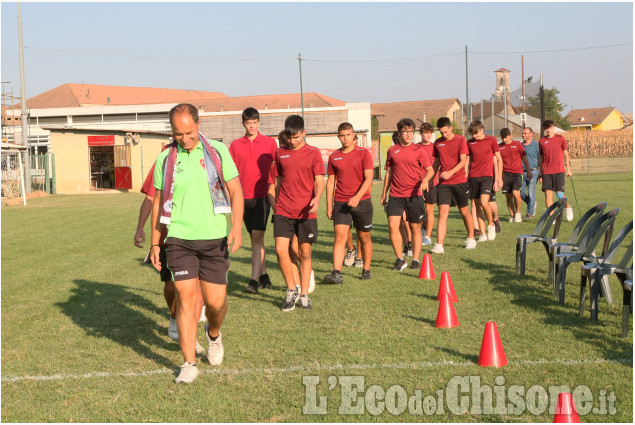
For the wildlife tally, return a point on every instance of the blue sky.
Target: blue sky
(251, 48)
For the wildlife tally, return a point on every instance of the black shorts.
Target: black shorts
(304, 228)
(361, 216)
(511, 182)
(256, 214)
(166, 275)
(453, 194)
(553, 182)
(414, 207)
(430, 196)
(207, 260)
(480, 186)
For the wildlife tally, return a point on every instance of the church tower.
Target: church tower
(502, 84)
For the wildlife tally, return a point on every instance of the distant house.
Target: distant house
(596, 119)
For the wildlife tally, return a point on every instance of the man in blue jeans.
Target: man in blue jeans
(528, 189)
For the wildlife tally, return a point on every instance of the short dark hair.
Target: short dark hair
(283, 139)
(505, 132)
(396, 138)
(294, 124)
(405, 122)
(444, 122)
(426, 127)
(474, 127)
(251, 114)
(183, 108)
(345, 126)
(548, 123)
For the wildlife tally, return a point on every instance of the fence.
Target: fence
(12, 175)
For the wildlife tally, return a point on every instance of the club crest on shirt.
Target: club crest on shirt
(203, 163)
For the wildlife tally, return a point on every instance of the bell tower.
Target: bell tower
(502, 84)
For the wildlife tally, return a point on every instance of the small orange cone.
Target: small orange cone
(446, 286)
(427, 271)
(565, 410)
(446, 317)
(492, 353)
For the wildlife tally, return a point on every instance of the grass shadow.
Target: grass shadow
(469, 357)
(421, 319)
(115, 312)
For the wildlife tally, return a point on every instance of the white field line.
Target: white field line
(314, 368)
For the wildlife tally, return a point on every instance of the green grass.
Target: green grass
(77, 300)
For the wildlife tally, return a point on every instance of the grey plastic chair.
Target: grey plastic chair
(580, 232)
(602, 228)
(552, 217)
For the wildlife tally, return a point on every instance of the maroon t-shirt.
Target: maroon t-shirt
(149, 189)
(408, 165)
(482, 156)
(512, 157)
(253, 160)
(297, 170)
(449, 153)
(348, 169)
(552, 151)
(428, 150)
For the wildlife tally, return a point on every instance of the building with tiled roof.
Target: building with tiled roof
(420, 111)
(596, 119)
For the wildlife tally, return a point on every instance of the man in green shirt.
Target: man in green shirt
(197, 239)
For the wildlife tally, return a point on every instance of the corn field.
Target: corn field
(611, 143)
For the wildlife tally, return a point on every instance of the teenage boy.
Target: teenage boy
(450, 161)
(429, 196)
(554, 156)
(481, 178)
(350, 177)
(196, 185)
(253, 154)
(404, 227)
(528, 189)
(514, 157)
(300, 185)
(408, 173)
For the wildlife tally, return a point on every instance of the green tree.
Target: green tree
(553, 108)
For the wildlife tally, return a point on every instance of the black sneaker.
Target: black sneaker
(497, 225)
(264, 281)
(408, 250)
(365, 274)
(252, 288)
(334, 277)
(400, 264)
(415, 265)
(290, 300)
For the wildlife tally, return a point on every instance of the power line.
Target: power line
(552, 51)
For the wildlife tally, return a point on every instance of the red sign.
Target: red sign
(101, 140)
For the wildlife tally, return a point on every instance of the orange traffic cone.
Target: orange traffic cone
(427, 271)
(446, 286)
(492, 353)
(446, 317)
(565, 410)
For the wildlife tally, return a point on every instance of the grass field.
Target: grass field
(84, 327)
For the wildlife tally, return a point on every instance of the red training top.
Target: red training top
(297, 170)
(253, 160)
(449, 153)
(149, 190)
(552, 154)
(348, 169)
(408, 165)
(482, 156)
(428, 149)
(512, 157)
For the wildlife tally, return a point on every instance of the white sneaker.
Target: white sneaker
(437, 249)
(518, 218)
(511, 220)
(482, 238)
(173, 332)
(215, 351)
(311, 283)
(426, 241)
(188, 374)
(199, 348)
(470, 243)
(203, 318)
(568, 213)
(349, 260)
(491, 233)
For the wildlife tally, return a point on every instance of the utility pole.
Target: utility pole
(301, 91)
(467, 91)
(522, 65)
(25, 129)
(542, 106)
